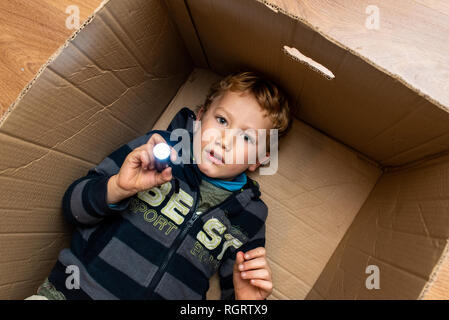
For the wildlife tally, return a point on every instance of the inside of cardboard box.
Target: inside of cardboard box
(318, 189)
(332, 211)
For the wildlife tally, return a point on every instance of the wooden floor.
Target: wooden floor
(30, 32)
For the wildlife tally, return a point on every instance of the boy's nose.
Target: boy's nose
(226, 141)
(224, 144)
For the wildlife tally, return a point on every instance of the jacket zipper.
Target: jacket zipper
(157, 277)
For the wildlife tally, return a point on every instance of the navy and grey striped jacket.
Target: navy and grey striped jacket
(154, 245)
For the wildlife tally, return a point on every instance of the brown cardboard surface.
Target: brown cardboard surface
(26, 257)
(416, 54)
(403, 228)
(181, 16)
(362, 176)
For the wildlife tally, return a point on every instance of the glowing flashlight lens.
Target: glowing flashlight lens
(161, 153)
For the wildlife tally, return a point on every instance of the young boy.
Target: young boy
(143, 234)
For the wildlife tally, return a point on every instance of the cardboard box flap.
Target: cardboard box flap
(398, 37)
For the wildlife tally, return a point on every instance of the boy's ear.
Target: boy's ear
(198, 117)
(260, 162)
(200, 113)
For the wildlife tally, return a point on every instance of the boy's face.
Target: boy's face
(220, 152)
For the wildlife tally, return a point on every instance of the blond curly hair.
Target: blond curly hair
(269, 96)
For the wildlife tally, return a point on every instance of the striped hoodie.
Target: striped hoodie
(154, 245)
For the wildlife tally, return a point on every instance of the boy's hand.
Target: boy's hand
(253, 281)
(138, 172)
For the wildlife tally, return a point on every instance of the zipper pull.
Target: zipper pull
(194, 217)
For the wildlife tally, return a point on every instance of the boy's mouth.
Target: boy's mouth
(214, 157)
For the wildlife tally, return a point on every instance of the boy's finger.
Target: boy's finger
(265, 285)
(163, 176)
(238, 259)
(256, 274)
(137, 158)
(256, 263)
(173, 155)
(254, 253)
(155, 139)
(144, 158)
(166, 174)
(149, 155)
(142, 155)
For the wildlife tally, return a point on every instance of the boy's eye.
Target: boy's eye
(248, 138)
(221, 120)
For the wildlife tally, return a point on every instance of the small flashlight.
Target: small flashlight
(161, 153)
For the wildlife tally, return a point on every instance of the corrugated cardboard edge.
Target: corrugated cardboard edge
(444, 258)
(50, 60)
(422, 162)
(278, 9)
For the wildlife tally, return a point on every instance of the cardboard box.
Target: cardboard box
(363, 177)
